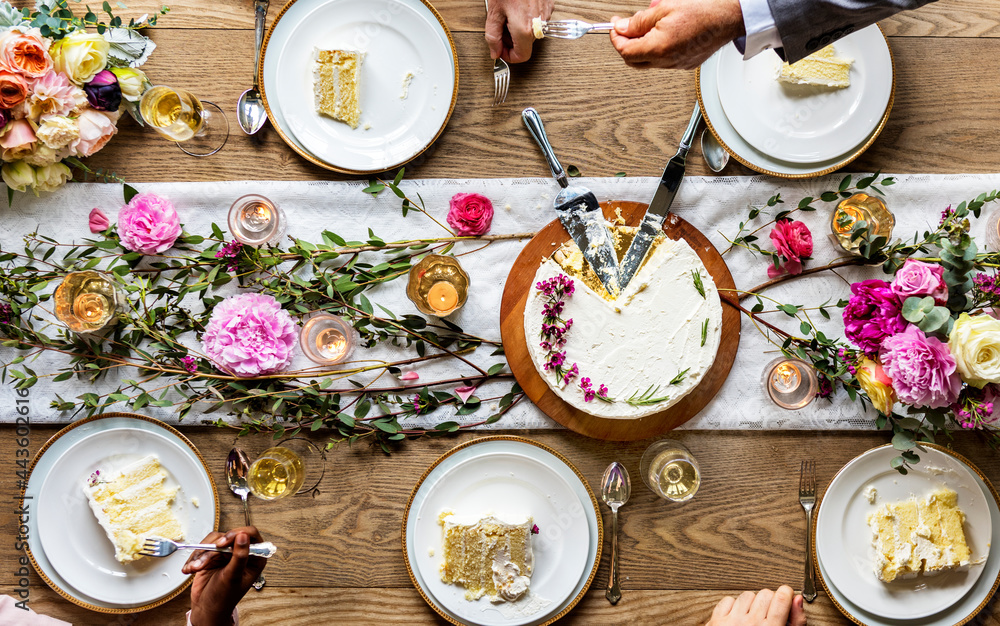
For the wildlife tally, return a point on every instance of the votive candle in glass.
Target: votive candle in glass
(86, 302)
(861, 207)
(327, 339)
(256, 221)
(790, 383)
(438, 285)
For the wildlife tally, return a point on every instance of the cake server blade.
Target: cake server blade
(579, 212)
(659, 206)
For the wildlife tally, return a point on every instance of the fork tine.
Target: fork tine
(802, 475)
(506, 86)
(496, 87)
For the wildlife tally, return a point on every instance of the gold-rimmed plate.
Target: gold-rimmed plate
(967, 604)
(506, 475)
(67, 439)
(409, 80)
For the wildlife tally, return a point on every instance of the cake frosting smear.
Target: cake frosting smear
(919, 536)
(657, 339)
(134, 504)
(488, 555)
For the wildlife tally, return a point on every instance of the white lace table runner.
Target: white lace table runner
(714, 205)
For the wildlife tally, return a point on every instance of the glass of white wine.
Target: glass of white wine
(282, 471)
(199, 127)
(670, 470)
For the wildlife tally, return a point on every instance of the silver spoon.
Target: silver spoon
(237, 466)
(615, 490)
(715, 155)
(250, 109)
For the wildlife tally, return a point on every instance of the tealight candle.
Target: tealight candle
(327, 339)
(442, 297)
(993, 231)
(256, 221)
(860, 208)
(790, 383)
(438, 285)
(86, 301)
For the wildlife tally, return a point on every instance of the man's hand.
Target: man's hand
(677, 34)
(220, 579)
(508, 27)
(767, 608)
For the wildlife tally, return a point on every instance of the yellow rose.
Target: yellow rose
(975, 344)
(875, 384)
(80, 56)
(52, 177)
(18, 175)
(131, 81)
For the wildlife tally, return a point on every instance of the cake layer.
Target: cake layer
(488, 556)
(822, 68)
(337, 85)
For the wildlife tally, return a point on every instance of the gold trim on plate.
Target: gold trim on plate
(833, 168)
(812, 531)
(168, 428)
(472, 442)
(333, 168)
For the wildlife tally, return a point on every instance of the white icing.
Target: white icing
(507, 578)
(870, 494)
(645, 338)
(536, 28)
(407, 79)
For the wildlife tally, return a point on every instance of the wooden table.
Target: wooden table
(341, 560)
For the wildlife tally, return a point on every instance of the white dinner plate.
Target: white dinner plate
(42, 468)
(844, 540)
(507, 475)
(801, 123)
(398, 37)
(758, 159)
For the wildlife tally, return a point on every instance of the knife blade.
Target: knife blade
(659, 206)
(579, 212)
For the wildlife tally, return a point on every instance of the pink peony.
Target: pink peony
(793, 243)
(872, 314)
(922, 369)
(24, 53)
(919, 279)
(53, 94)
(148, 224)
(470, 214)
(98, 221)
(96, 130)
(250, 335)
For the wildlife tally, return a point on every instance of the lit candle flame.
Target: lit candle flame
(331, 343)
(90, 307)
(256, 216)
(786, 378)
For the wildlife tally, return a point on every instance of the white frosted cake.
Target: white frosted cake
(487, 555)
(134, 504)
(635, 355)
(823, 68)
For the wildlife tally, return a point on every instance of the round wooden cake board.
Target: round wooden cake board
(515, 295)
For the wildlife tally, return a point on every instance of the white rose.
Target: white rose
(18, 175)
(58, 131)
(80, 55)
(52, 177)
(975, 344)
(42, 156)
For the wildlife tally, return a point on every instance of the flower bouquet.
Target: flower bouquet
(62, 88)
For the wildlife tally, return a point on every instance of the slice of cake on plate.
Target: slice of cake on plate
(919, 535)
(134, 504)
(823, 68)
(487, 555)
(337, 85)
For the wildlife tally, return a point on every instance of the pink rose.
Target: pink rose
(96, 129)
(793, 243)
(920, 279)
(17, 140)
(148, 224)
(922, 369)
(24, 54)
(98, 221)
(13, 89)
(470, 214)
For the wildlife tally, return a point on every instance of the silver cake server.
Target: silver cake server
(579, 212)
(659, 206)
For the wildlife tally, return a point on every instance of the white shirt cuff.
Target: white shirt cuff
(762, 32)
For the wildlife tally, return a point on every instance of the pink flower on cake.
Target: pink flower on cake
(470, 214)
(148, 224)
(919, 279)
(24, 53)
(96, 130)
(921, 368)
(793, 243)
(250, 335)
(17, 140)
(98, 221)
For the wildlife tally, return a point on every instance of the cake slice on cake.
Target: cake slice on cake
(337, 85)
(132, 505)
(487, 555)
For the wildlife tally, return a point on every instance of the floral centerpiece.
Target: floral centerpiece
(64, 81)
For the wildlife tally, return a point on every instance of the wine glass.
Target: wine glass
(670, 470)
(282, 471)
(200, 128)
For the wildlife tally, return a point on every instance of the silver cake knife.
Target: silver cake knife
(659, 206)
(579, 212)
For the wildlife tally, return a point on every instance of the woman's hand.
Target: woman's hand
(221, 579)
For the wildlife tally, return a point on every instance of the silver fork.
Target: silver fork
(807, 498)
(573, 29)
(154, 546)
(501, 75)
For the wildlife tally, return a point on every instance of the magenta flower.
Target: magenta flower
(190, 364)
(793, 243)
(230, 252)
(919, 279)
(250, 335)
(148, 224)
(103, 91)
(470, 214)
(922, 369)
(872, 314)
(98, 221)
